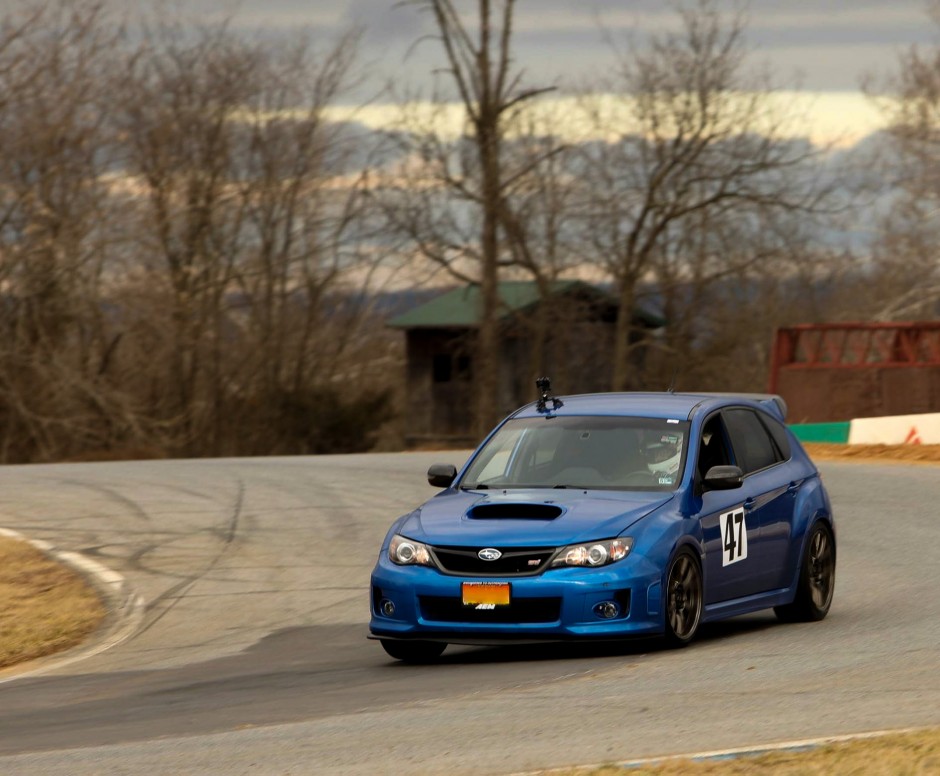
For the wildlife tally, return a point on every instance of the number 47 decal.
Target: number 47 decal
(734, 536)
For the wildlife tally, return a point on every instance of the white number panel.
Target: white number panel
(733, 536)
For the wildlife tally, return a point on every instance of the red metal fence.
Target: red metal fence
(839, 371)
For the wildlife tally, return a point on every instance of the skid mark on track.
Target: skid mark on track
(130, 507)
(113, 495)
(227, 534)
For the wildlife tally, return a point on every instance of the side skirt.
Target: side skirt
(748, 604)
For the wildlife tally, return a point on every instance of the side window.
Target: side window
(713, 451)
(779, 434)
(753, 448)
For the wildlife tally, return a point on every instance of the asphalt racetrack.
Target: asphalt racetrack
(251, 656)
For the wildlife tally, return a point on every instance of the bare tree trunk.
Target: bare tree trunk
(480, 67)
(489, 367)
(621, 377)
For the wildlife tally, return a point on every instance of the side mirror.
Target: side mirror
(441, 475)
(723, 478)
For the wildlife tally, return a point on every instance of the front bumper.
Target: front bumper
(557, 605)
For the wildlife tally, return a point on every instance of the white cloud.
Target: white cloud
(838, 118)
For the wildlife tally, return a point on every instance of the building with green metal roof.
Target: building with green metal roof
(460, 307)
(568, 334)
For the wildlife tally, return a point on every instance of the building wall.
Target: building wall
(438, 406)
(577, 357)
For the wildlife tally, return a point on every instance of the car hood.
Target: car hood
(525, 518)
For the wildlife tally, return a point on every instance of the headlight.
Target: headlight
(593, 553)
(407, 552)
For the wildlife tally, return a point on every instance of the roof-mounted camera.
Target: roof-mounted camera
(544, 385)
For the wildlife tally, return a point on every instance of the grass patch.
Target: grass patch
(882, 453)
(44, 606)
(896, 754)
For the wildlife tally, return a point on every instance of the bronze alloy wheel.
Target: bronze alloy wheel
(817, 579)
(683, 599)
(822, 569)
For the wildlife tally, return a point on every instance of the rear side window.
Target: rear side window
(779, 434)
(753, 448)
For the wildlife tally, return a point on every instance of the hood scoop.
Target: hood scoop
(501, 511)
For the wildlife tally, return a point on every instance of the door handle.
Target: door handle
(793, 487)
(749, 503)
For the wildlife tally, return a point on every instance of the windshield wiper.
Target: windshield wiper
(478, 486)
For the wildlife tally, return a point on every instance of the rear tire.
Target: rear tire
(683, 599)
(817, 579)
(414, 651)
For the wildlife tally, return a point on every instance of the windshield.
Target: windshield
(613, 453)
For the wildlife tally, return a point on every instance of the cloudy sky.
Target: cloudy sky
(824, 46)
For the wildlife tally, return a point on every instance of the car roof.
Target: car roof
(675, 406)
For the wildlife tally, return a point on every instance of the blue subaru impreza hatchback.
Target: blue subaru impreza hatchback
(606, 516)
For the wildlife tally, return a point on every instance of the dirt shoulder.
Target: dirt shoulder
(923, 454)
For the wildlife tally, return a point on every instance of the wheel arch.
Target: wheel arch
(812, 505)
(694, 542)
(819, 516)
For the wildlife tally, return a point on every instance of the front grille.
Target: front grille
(515, 562)
(521, 610)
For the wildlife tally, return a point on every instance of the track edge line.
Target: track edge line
(125, 610)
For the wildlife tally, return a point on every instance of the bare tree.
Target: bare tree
(538, 219)
(56, 389)
(473, 172)
(184, 262)
(248, 228)
(699, 146)
(906, 266)
(307, 232)
(726, 285)
(178, 114)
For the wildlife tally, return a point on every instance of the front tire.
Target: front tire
(414, 651)
(817, 579)
(684, 599)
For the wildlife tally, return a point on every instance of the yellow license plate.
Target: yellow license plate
(487, 593)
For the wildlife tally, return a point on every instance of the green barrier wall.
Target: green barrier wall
(833, 433)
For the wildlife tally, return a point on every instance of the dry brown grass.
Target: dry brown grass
(44, 606)
(901, 754)
(881, 453)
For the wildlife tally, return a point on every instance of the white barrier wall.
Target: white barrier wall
(896, 430)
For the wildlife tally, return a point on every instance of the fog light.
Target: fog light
(607, 609)
(388, 608)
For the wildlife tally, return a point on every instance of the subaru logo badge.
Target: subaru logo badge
(489, 553)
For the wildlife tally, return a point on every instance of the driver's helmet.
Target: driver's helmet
(663, 452)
